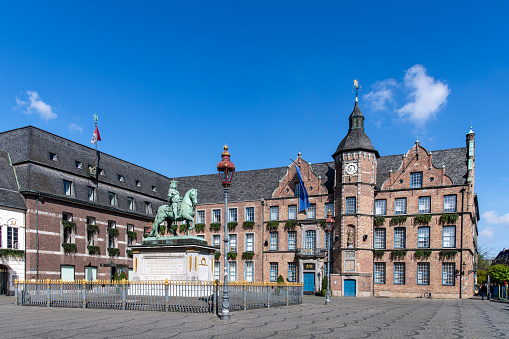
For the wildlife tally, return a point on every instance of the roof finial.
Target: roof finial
(299, 154)
(96, 117)
(417, 141)
(357, 88)
(470, 132)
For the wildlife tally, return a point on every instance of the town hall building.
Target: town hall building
(405, 224)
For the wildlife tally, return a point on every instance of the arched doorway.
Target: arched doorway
(4, 279)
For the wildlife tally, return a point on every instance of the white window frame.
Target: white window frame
(400, 205)
(217, 270)
(232, 271)
(216, 215)
(249, 271)
(450, 204)
(400, 237)
(112, 199)
(233, 214)
(292, 212)
(448, 237)
(273, 241)
(399, 273)
(274, 271)
(424, 205)
(292, 272)
(351, 205)
(68, 188)
(232, 242)
(216, 236)
(248, 216)
(423, 273)
(274, 213)
(131, 204)
(448, 269)
(200, 217)
(380, 241)
(311, 211)
(381, 207)
(250, 242)
(379, 269)
(423, 237)
(292, 241)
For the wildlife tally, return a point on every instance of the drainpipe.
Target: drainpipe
(461, 240)
(37, 230)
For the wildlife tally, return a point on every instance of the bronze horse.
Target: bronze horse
(187, 210)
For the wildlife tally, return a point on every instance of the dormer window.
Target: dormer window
(53, 157)
(154, 189)
(120, 177)
(138, 183)
(78, 164)
(101, 171)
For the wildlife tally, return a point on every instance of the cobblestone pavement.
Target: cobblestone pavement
(344, 318)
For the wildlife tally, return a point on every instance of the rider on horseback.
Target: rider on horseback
(174, 199)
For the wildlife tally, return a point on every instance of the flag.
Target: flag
(303, 194)
(96, 136)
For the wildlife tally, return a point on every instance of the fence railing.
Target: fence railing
(158, 295)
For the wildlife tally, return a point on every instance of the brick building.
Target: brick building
(405, 224)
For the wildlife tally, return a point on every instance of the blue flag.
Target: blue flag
(303, 194)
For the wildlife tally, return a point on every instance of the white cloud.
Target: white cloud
(491, 217)
(36, 105)
(427, 95)
(75, 128)
(487, 232)
(381, 95)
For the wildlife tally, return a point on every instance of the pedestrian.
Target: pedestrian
(483, 290)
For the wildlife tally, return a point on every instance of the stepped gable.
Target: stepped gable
(454, 159)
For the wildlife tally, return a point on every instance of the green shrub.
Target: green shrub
(113, 251)
(324, 286)
(232, 225)
(199, 227)
(378, 254)
(399, 254)
(112, 232)
(129, 253)
(272, 225)
(248, 224)
(447, 254)
(93, 228)
(448, 218)
(9, 252)
(323, 223)
(69, 248)
(123, 276)
(162, 229)
(379, 221)
(68, 224)
(280, 279)
(422, 254)
(93, 249)
(215, 226)
(183, 228)
(231, 255)
(398, 220)
(132, 234)
(423, 219)
(247, 255)
(290, 224)
(217, 255)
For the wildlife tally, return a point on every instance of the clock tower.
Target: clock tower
(355, 163)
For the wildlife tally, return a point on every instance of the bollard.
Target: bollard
(48, 293)
(124, 299)
(244, 295)
(84, 294)
(16, 292)
(287, 297)
(268, 296)
(214, 302)
(166, 296)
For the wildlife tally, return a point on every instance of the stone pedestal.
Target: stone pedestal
(184, 258)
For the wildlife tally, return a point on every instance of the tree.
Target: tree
(499, 273)
(324, 285)
(482, 277)
(484, 257)
(280, 279)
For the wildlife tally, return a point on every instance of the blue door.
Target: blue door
(349, 288)
(309, 281)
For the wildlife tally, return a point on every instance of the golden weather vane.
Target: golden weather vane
(356, 87)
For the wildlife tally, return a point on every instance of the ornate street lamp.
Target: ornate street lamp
(329, 224)
(225, 168)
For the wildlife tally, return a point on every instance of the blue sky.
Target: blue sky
(173, 81)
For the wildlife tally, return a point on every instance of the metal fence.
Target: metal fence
(178, 296)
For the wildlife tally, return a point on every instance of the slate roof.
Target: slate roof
(356, 139)
(9, 193)
(454, 159)
(29, 148)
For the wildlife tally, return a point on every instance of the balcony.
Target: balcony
(311, 253)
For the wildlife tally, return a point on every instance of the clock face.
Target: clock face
(351, 168)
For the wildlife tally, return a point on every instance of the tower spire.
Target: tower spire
(357, 89)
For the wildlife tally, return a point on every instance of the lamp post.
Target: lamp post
(225, 168)
(329, 224)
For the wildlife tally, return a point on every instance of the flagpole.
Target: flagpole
(95, 162)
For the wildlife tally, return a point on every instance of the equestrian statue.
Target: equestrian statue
(178, 209)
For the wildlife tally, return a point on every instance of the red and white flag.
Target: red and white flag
(96, 136)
